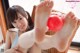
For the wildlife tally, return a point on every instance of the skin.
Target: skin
(21, 23)
(63, 39)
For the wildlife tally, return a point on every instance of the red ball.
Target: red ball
(55, 23)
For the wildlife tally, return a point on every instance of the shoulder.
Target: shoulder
(11, 32)
(13, 29)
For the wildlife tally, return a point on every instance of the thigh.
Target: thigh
(26, 40)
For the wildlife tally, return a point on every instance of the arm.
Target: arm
(8, 41)
(9, 37)
(12, 50)
(7, 48)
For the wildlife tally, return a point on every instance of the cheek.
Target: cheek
(25, 23)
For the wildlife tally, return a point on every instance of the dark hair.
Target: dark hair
(12, 15)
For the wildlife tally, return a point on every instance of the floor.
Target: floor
(71, 49)
(74, 50)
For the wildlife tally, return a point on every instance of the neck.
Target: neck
(20, 32)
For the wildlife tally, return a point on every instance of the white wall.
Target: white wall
(64, 6)
(26, 4)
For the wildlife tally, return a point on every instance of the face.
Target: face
(21, 23)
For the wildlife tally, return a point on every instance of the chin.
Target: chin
(24, 29)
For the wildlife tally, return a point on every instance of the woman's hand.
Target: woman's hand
(12, 50)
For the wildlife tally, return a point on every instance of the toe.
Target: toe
(67, 16)
(51, 4)
(70, 15)
(78, 23)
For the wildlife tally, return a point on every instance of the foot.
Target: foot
(41, 16)
(66, 34)
(42, 13)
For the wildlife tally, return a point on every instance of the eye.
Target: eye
(14, 22)
(20, 18)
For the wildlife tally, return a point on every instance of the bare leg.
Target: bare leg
(35, 49)
(68, 31)
(27, 39)
(41, 16)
